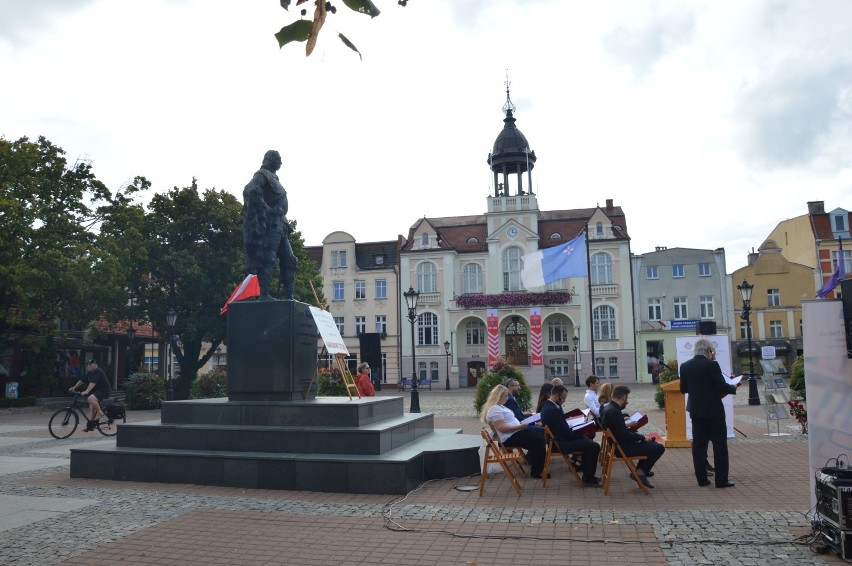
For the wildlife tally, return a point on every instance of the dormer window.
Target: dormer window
(599, 229)
(472, 240)
(556, 236)
(424, 239)
(380, 260)
(838, 222)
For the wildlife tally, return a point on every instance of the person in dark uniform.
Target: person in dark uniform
(701, 377)
(266, 229)
(97, 389)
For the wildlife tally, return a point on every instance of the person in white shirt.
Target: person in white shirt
(591, 398)
(512, 432)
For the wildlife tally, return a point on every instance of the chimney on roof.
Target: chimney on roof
(752, 257)
(609, 204)
(816, 207)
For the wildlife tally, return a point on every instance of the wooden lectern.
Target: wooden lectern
(675, 416)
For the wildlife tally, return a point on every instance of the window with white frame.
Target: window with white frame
(421, 370)
(743, 330)
(558, 285)
(776, 329)
(382, 323)
(557, 336)
(512, 269)
(655, 308)
(475, 333)
(338, 322)
(680, 310)
(847, 260)
(839, 221)
(773, 297)
(427, 329)
(601, 266)
(338, 291)
(360, 324)
(338, 258)
(652, 272)
(704, 270)
(360, 289)
(424, 239)
(613, 366)
(472, 278)
(560, 368)
(708, 306)
(677, 270)
(433, 370)
(599, 229)
(381, 289)
(427, 277)
(604, 322)
(600, 368)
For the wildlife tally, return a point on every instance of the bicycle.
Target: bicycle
(64, 422)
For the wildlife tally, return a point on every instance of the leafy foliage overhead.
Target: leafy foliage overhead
(307, 31)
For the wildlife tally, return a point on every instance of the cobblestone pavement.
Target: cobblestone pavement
(49, 518)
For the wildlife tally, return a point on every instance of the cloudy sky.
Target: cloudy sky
(708, 122)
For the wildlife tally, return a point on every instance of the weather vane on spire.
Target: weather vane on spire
(509, 107)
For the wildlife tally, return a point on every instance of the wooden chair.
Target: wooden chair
(551, 447)
(495, 455)
(614, 453)
(496, 436)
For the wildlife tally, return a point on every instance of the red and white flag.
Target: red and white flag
(247, 289)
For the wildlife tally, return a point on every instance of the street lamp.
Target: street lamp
(576, 361)
(130, 334)
(411, 300)
(745, 290)
(447, 350)
(171, 318)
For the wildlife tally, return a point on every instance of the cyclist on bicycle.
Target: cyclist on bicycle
(97, 389)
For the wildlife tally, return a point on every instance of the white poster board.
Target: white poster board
(828, 379)
(684, 346)
(328, 332)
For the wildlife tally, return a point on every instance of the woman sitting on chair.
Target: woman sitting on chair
(510, 430)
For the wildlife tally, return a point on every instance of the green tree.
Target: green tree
(46, 245)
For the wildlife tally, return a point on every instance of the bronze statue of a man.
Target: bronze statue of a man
(266, 229)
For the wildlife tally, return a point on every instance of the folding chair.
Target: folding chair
(614, 453)
(505, 448)
(553, 447)
(494, 455)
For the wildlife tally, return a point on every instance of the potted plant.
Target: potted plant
(800, 413)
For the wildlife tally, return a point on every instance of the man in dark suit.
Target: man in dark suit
(701, 377)
(514, 387)
(569, 441)
(632, 443)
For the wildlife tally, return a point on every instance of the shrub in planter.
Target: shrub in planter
(498, 375)
(209, 385)
(797, 377)
(668, 373)
(331, 383)
(144, 391)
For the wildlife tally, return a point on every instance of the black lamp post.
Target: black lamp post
(576, 361)
(447, 350)
(130, 334)
(171, 318)
(745, 290)
(411, 300)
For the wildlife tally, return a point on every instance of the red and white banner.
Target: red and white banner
(535, 337)
(493, 336)
(247, 289)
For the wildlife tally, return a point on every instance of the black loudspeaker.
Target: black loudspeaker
(705, 327)
(371, 349)
(846, 292)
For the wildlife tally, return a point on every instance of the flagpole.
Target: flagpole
(591, 316)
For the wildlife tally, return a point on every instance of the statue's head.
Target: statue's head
(271, 160)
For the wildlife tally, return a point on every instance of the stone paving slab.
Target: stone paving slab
(755, 523)
(19, 511)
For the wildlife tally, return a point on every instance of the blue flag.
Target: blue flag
(836, 277)
(552, 264)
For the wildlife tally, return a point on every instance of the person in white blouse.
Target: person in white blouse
(591, 398)
(511, 431)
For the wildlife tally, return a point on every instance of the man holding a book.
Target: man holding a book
(570, 440)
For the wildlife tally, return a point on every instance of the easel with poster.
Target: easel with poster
(333, 344)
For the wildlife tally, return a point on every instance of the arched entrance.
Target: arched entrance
(517, 343)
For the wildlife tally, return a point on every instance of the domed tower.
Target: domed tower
(511, 155)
